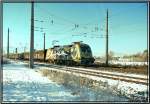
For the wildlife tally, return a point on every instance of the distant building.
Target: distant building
(115, 58)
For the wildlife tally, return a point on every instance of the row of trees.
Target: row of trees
(138, 56)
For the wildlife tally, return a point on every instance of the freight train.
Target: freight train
(78, 53)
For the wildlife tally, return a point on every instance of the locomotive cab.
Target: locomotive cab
(86, 54)
(81, 53)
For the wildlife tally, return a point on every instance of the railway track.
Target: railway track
(98, 73)
(112, 76)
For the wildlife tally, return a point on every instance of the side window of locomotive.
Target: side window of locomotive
(85, 49)
(88, 49)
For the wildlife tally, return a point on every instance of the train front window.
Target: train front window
(85, 49)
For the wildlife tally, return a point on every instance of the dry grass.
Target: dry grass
(5, 61)
(128, 69)
(69, 80)
(45, 72)
(134, 69)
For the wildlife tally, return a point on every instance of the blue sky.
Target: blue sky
(127, 25)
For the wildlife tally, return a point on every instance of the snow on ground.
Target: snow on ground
(23, 84)
(126, 88)
(128, 63)
(129, 89)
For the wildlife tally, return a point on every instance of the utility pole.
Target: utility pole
(8, 44)
(32, 36)
(1, 36)
(44, 48)
(107, 39)
(16, 51)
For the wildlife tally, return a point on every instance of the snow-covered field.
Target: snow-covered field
(134, 91)
(120, 62)
(23, 84)
(128, 63)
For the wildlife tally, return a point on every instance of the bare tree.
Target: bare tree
(145, 55)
